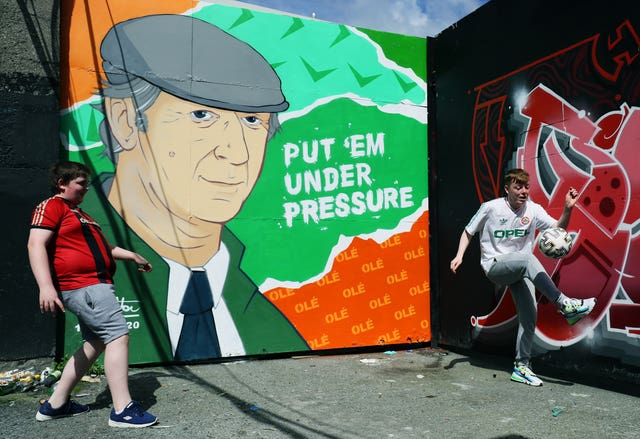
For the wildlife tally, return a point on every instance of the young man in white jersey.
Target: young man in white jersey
(507, 259)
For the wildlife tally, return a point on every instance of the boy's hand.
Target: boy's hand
(145, 267)
(143, 264)
(49, 300)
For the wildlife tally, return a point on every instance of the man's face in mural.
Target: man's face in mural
(201, 162)
(517, 193)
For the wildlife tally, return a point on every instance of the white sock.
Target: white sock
(561, 300)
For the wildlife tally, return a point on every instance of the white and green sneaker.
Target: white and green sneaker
(575, 309)
(522, 374)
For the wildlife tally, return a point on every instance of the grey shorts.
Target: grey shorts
(98, 312)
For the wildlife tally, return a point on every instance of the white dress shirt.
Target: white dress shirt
(216, 268)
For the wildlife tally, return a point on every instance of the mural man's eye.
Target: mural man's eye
(252, 121)
(202, 116)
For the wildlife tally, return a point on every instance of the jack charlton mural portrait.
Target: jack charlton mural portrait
(247, 184)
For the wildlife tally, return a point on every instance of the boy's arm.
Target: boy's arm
(39, 261)
(128, 255)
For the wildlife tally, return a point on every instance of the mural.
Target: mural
(272, 169)
(573, 119)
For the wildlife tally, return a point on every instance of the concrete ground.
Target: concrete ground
(421, 393)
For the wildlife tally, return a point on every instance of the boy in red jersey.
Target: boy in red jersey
(73, 265)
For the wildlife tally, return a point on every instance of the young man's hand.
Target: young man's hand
(571, 198)
(455, 263)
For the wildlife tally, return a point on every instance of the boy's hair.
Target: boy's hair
(516, 175)
(66, 171)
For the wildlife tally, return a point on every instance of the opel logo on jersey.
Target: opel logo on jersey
(510, 233)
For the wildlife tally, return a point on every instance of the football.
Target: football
(555, 242)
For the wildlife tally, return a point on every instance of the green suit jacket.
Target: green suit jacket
(261, 326)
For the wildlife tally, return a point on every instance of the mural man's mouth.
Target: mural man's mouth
(228, 183)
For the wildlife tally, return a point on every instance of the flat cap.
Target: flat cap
(193, 60)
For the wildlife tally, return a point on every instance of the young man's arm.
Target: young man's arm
(570, 201)
(39, 261)
(465, 239)
(128, 255)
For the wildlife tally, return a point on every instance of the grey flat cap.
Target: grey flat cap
(193, 60)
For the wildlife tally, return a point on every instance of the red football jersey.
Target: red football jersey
(79, 252)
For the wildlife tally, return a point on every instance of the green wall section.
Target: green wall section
(315, 59)
(365, 186)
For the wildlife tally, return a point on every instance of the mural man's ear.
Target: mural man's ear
(121, 114)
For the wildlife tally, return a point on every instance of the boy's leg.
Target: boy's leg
(77, 366)
(126, 413)
(116, 368)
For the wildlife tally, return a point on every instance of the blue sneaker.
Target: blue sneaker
(70, 408)
(133, 416)
(522, 374)
(575, 309)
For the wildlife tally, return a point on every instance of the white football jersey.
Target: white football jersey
(503, 230)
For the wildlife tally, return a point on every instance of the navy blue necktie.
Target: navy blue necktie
(198, 339)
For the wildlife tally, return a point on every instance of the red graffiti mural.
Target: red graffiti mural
(594, 148)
